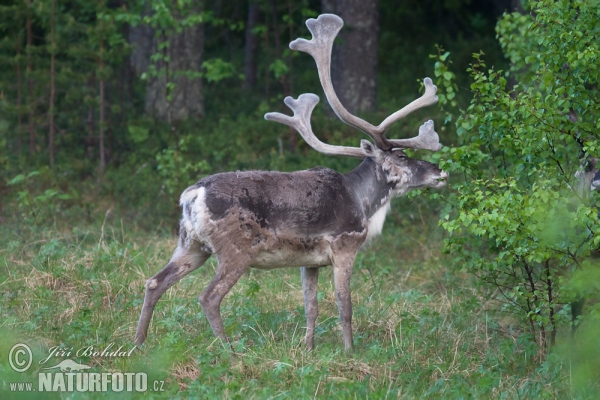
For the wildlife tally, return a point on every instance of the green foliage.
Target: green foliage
(278, 68)
(174, 171)
(87, 47)
(37, 201)
(517, 223)
(217, 70)
(445, 82)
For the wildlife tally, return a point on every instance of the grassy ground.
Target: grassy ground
(420, 329)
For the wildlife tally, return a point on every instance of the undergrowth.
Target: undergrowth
(420, 329)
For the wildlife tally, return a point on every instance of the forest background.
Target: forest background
(109, 109)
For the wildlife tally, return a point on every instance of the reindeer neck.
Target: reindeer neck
(368, 181)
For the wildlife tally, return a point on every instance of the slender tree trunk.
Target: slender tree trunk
(354, 59)
(283, 78)
(544, 344)
(168, 91)
(52, 87)
(101, 110)
(124, 73)
(19, 100)
(30, 81)
(267, 45)
(291, 35)
(277, 33)
(552, 311)
(101, 129)
(89, 149)
(293, 133)
(2, 191)
(250, 47)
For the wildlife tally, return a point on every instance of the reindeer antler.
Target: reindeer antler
(324, 29)
(302, 109)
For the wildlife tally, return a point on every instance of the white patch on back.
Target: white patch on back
(376, 221)
(195, 214)
(189, 195)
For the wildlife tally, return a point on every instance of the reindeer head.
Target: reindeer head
(402, 172)
(588, 175)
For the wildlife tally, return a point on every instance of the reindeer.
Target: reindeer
(308, 219)
(587, 181)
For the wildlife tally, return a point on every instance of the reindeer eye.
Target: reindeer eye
(402, 156)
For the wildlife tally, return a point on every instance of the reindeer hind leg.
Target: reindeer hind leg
(228, 273)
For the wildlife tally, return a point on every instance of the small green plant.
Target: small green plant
(36, 203)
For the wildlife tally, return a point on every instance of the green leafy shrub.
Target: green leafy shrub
(517, 222)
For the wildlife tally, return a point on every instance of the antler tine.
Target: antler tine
(427, 139)
(324, 29)
(302, 108)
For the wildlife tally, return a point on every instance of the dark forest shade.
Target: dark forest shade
(110, 71)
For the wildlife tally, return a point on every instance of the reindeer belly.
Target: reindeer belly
(293, 253)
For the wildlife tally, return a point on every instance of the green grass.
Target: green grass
(420, 330)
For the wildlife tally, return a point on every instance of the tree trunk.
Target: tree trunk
(52, 88)
(354, 58)
(30, 99)
(283, 79)
(266, 46)
(250, 47)
(185, 99)
(141, 37)
(101, 122)
(19, 95)
(89, 142)
(293, 133)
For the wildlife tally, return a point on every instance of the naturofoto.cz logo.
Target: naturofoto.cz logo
(71, 376)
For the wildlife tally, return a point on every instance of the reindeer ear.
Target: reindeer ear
(369, 149)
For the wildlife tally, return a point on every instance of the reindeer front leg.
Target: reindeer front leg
(310, 281)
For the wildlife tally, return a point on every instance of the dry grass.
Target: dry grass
(419, 331)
